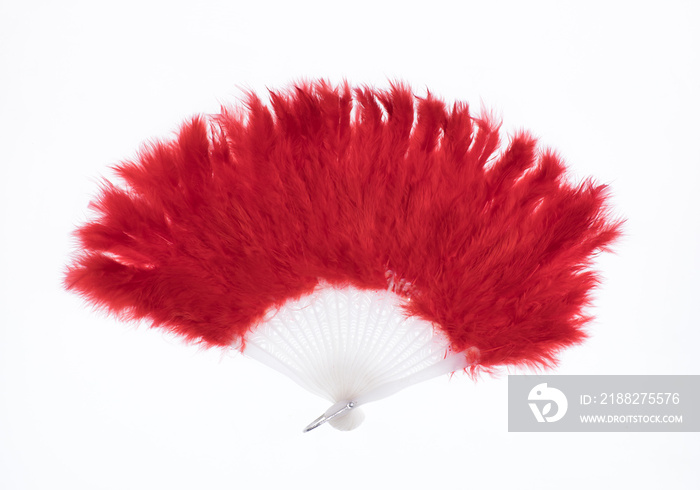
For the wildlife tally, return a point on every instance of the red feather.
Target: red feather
(250, 208)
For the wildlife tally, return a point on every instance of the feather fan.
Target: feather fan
(358, 240)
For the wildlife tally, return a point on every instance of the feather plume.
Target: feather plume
(254, 207)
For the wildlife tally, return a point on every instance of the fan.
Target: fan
(357, 240)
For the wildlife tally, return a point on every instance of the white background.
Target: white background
(89, 403)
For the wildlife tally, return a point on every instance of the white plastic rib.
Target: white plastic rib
(347, 344)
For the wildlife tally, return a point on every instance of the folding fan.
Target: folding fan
(357, 240)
